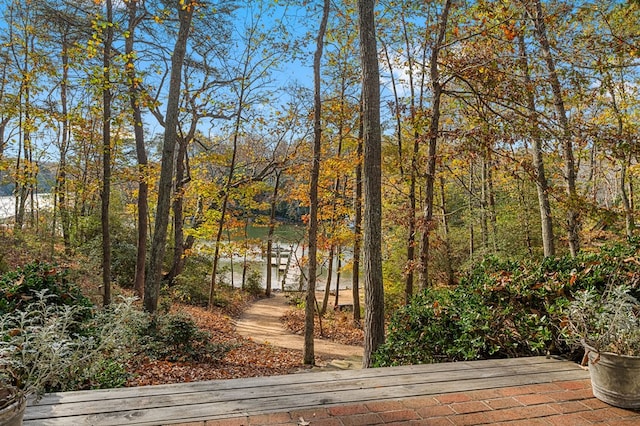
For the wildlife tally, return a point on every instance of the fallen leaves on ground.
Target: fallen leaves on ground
(246, 358)
(337, 326)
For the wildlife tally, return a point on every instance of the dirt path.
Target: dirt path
(261, 322)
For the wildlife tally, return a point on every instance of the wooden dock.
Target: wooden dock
(227, 399)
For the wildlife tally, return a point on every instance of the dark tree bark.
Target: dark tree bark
(154, 275)
(372, 140)
(357, 229)
(106, 156)
(327, 287)
(309, 352)
(141, 152)
(180, 245)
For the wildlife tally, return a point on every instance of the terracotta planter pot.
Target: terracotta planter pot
(12, 414)
(615, 379)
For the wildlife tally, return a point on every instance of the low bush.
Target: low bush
(192, 285)
(253, 284)
(18, 288)
(175, 337)
(45, 347)
(502, 308)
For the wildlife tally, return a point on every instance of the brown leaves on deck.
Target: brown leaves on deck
(336, 325)
(245, 359)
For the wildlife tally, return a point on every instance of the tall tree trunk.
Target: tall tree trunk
(141, 152)
(413, 174)
(526, 223)
(336, 300)
(493, 216)
(309, 350)
(181, 180)
(23, 166)
(484, 203)
(624, 157)
(445, 230)
(272, 228)
(357, 228)
(573, 216)
(154, 276)
(472, 237)
(433, 140)
(542, 186)
(61, 181)
(106, 156)
(373, 284)
(228, 184)
(327, 287)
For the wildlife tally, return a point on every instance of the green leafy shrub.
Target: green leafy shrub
(109, 374)
(123, 247)
(176, 337)
(192, 285)
(19, 288)
(124, 253)
(502, 308)
(253, 284)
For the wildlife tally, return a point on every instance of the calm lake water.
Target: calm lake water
(8, 204)
(288, 251)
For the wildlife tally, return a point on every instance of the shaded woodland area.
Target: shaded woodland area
(502, 129)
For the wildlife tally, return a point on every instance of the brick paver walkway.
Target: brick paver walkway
(561, 403)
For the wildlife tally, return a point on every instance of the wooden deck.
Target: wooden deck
(221, 399)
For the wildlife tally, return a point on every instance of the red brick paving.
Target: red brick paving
(562, 403)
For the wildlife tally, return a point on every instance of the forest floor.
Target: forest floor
(266, 339)
(264, 334)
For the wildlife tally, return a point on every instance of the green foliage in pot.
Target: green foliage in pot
(48, 347)
(607, 321)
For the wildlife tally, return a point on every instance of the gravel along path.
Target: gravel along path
(261, 323)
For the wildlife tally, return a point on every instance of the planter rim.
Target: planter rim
(590, 348)
(17, 399)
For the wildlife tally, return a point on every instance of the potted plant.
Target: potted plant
(12, 405)
(39, 350)
(608, 327)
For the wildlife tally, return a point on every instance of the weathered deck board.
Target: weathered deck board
(166, 404)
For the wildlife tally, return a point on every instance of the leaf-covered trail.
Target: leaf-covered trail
(262, 323)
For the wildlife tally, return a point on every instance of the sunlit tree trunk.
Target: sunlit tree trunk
(542, 186)
(153, 278)
(61, 181)
(624, 158)
(534, 9)
(309, 350)
(434, 124)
